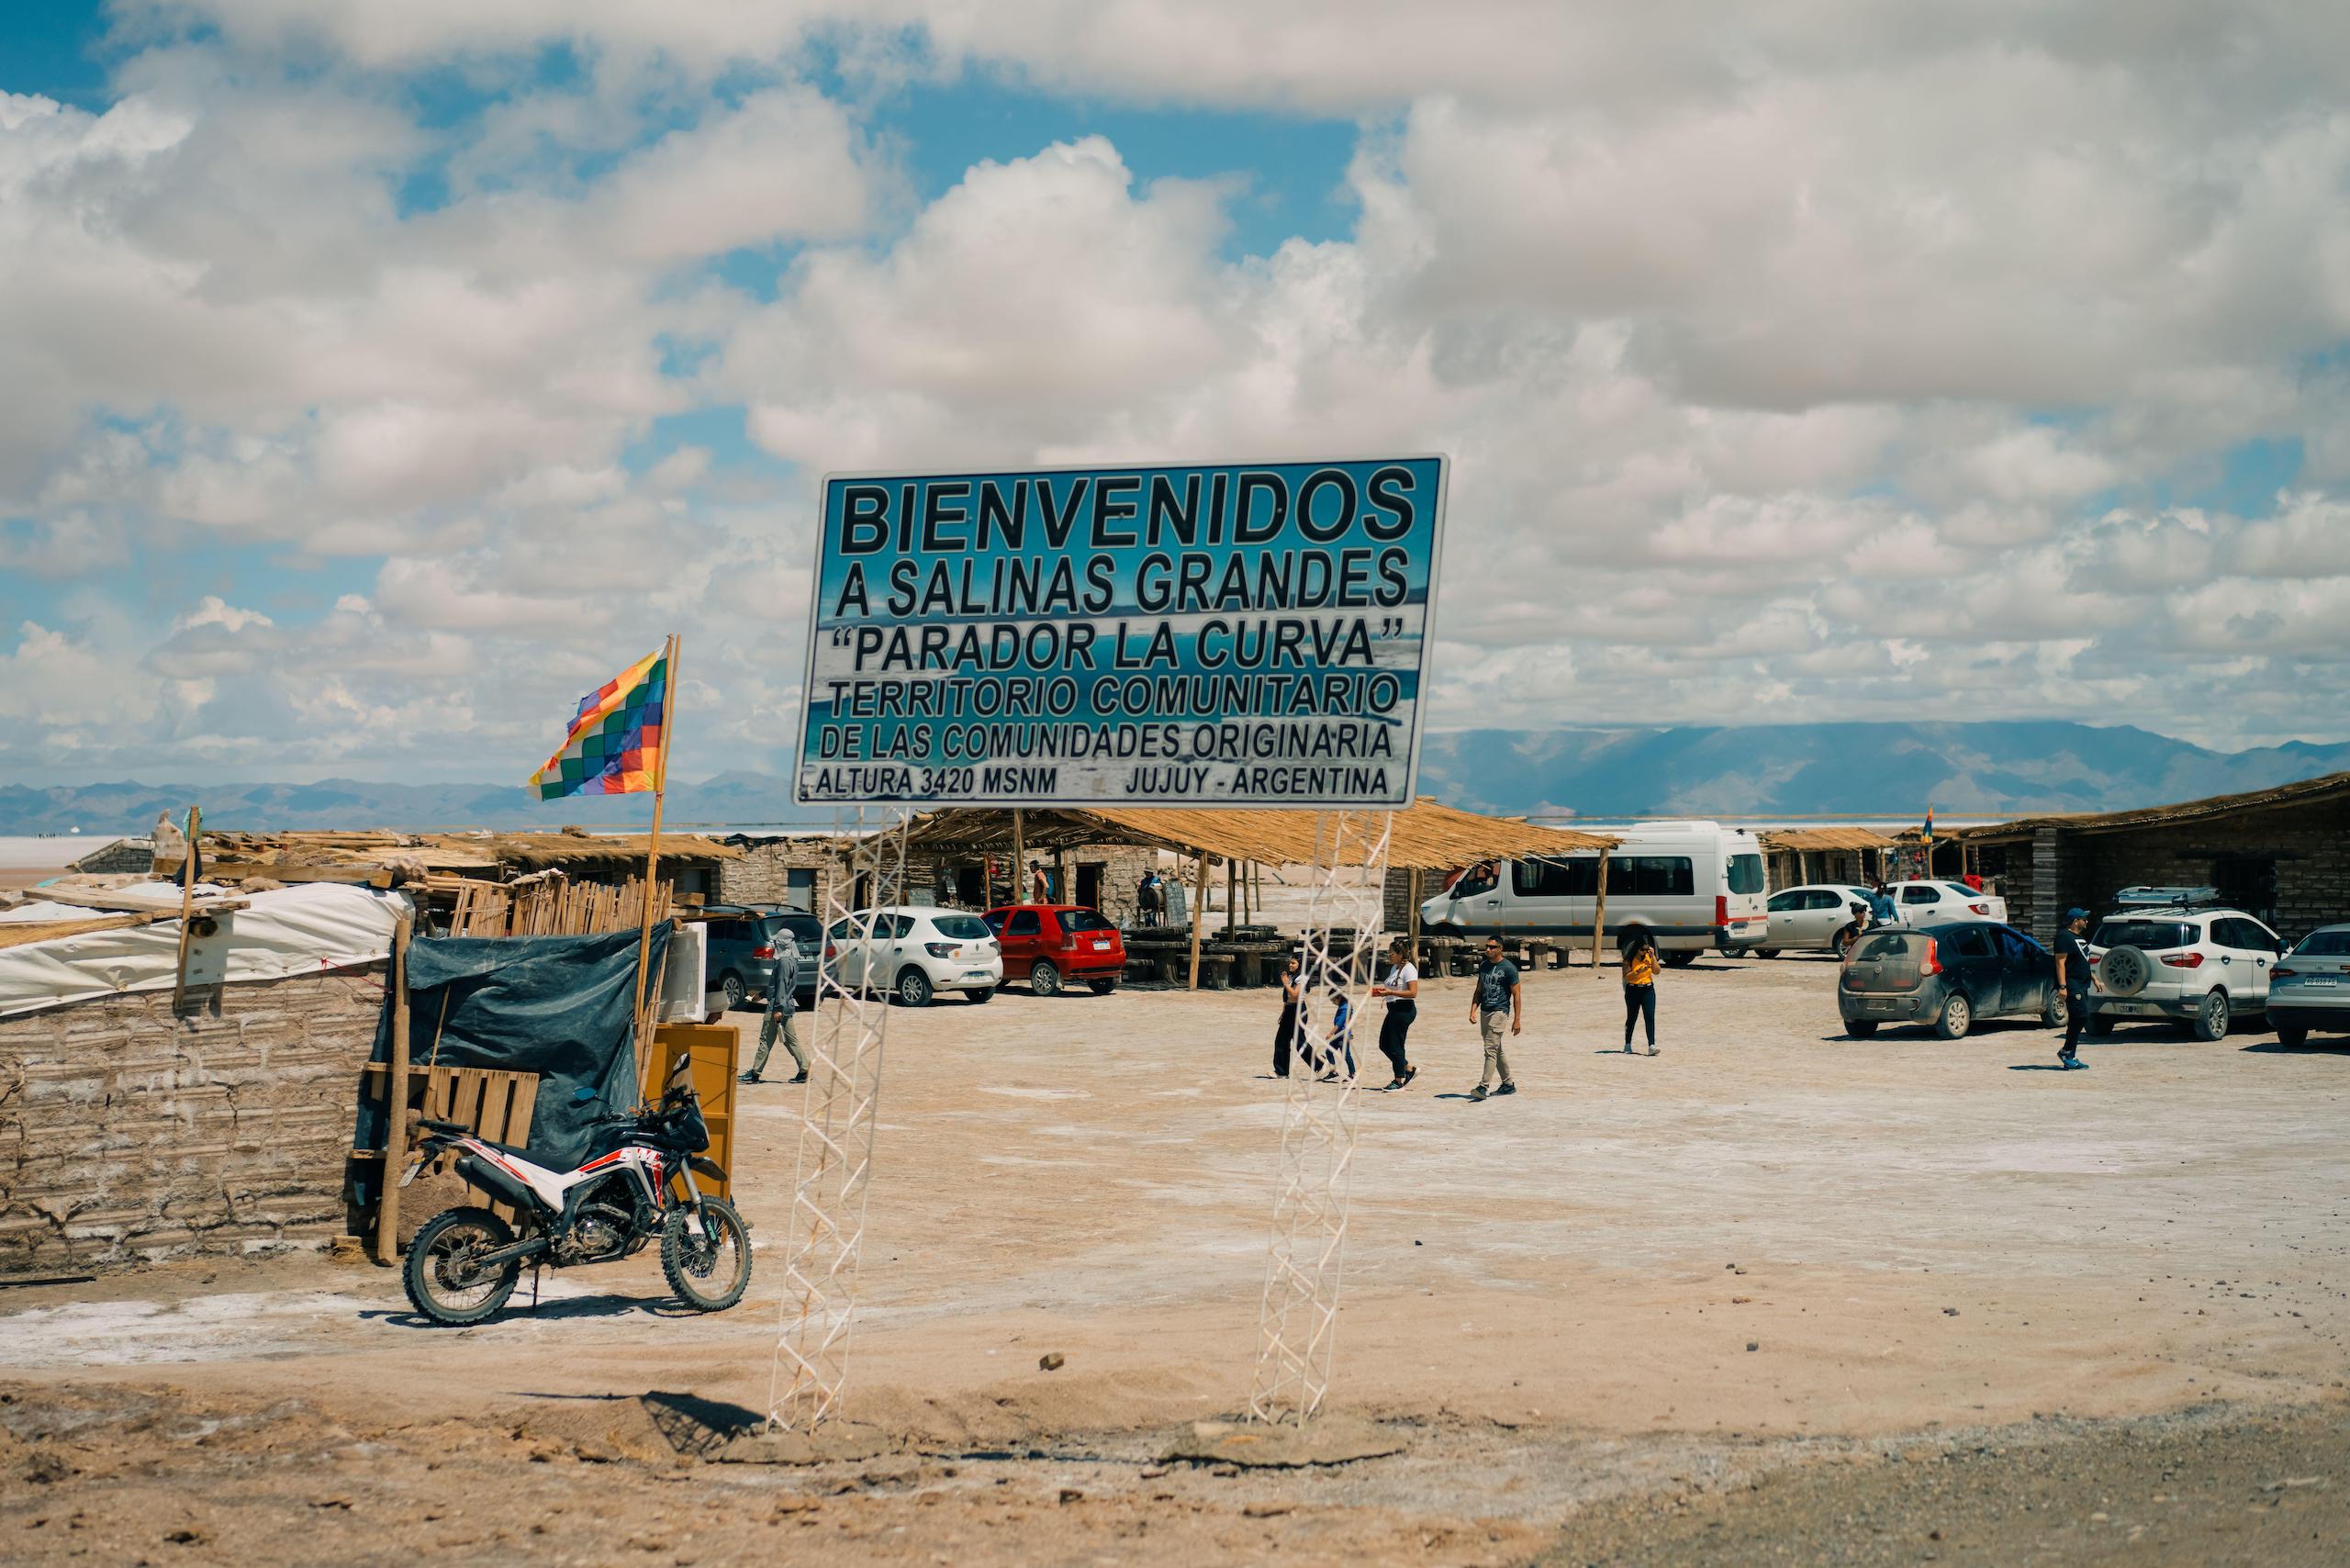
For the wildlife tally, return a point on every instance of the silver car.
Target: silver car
(1823, 918)
(2308, 989)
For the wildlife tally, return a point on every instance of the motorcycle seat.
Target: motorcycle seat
(516, 1151)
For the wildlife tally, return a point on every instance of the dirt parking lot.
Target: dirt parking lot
(1886, 1301)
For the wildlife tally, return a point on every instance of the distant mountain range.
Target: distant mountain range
(1997, 769)
(1994, 769)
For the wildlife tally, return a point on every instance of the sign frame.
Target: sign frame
(1420, 668)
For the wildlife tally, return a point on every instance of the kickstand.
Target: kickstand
(535, 1271)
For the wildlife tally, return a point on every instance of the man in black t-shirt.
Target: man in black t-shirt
(2072, 978)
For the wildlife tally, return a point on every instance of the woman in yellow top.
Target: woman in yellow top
(1640, 965)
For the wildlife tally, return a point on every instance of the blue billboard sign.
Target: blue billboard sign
(1245, 634)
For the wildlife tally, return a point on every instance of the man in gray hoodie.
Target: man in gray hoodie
(783, 1001)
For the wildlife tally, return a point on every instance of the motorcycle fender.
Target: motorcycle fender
(704, 1165)
(491, 1180)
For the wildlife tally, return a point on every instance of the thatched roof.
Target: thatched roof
(271, 853)
(1815, 840)
(2305, 791)
(1427, 836)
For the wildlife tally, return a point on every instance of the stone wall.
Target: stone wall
(127, 1134)
(124, 855)
(2308, 845)
(763, 874)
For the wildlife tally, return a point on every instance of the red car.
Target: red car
(1053, 945)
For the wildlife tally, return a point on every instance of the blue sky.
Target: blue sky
(381, 375)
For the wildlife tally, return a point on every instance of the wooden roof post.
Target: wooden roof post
(1199, 917)
(1020, 888)
(1599, 913)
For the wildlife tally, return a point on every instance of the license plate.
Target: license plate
(1102, 945)
(2314, 982)
(1885, 1007)
(975, 974)
(2133, 1009)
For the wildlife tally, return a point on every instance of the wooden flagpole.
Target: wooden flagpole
(652, 841)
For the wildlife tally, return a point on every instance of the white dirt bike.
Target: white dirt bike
(638, 1185)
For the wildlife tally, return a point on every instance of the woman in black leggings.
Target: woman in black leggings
(1402, 989)
(1640, 965)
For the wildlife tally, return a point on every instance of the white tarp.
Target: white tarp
(291, 931)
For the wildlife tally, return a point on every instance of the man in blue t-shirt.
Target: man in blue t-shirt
(2073, 979)
(1497, 1006)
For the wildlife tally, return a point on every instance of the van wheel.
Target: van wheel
(2211, 1018)
(1044, 979)
(913, 987)
(1679, 961)
(1956, 1017)
(1860, 1028)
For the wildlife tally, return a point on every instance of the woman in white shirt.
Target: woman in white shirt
(1402, 989)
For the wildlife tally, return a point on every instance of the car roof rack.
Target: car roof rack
(2140, 900)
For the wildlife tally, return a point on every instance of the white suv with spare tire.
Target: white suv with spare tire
(2186, 962)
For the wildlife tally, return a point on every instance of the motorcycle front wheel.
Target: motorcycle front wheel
(710, 1274)
(442, 1280)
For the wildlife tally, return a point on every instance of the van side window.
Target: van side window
(1652, 876)
(1746, 873)
(1576, 878)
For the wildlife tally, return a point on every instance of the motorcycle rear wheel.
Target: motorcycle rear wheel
(440, 1282)
(711, 1274)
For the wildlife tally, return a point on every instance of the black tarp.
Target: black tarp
(558, 1006)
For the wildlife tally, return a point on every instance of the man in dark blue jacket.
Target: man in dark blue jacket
(2072, 978)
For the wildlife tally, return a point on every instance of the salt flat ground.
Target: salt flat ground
(1638, 1277)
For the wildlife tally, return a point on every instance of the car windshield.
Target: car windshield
(962, 927)
(2326, 945)
(2154, 935)
(1084, 920)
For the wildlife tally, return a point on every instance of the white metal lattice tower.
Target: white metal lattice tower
(809, 1375)
(1297, 1322)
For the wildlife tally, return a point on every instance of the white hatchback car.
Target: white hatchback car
(1823, 918)
(2194, 965)
(915, 952)
(1932, 903)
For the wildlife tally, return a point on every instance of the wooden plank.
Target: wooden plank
(17, 933)
(120, 901)
(387, 1206)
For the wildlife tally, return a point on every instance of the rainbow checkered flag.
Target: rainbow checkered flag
(614, 743)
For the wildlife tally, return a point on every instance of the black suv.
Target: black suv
(742, 947)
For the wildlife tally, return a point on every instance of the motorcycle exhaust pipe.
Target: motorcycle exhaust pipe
(480, 1173)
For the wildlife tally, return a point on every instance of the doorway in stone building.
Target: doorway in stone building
(1089, 884)
(2247, 882)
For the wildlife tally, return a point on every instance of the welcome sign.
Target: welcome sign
(1240, 636)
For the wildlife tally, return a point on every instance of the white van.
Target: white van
(1692, 885)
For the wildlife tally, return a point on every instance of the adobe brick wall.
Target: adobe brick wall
(127, 1134)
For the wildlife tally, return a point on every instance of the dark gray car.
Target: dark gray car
(1947, 976)
(741, 948)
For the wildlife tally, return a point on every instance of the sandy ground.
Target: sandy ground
(1736, 1282)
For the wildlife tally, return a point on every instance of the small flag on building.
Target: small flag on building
(614, 743)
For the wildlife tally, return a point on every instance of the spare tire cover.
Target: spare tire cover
(2124, 972)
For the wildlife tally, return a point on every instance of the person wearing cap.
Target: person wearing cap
(2072, 978)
